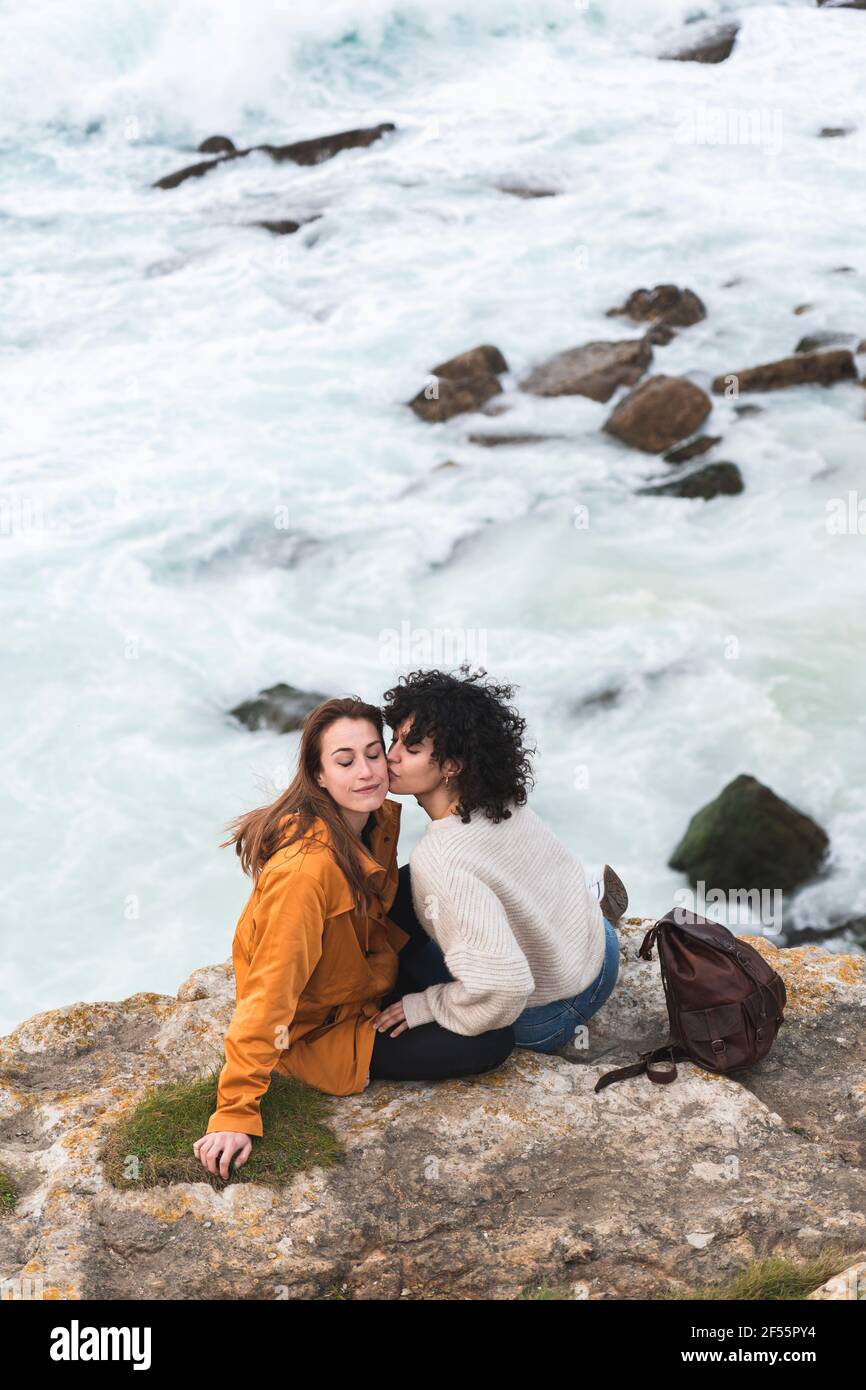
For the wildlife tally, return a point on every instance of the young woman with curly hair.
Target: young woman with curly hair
(517, 935)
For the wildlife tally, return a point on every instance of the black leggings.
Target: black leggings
(429, 1052)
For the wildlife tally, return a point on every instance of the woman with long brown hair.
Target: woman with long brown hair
(315, 952)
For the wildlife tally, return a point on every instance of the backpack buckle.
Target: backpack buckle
(719, 1045)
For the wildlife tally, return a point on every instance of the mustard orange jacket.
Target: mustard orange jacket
(310, 972)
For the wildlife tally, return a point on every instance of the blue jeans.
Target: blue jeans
(542, 1029)
(549, 1026)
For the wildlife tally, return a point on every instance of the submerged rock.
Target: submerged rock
(660, 412)
(522, 190)
(855, 927)
(469, 1189)
(851, 932)
(824, 337)
(712, 46)
(635, 684)
(285, 226)
(313, 151)
(282, 708)
(600, 699)
(713, 480)
(493, 441)
(595, 370)
(749, 838)
(692, 448)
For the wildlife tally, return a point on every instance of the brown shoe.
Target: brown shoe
(614, 898)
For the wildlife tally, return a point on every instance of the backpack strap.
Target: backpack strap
(672, 1051)
(645, 950)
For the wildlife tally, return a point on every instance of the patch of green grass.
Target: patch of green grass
(7, 1192)
(337, 1290)
(537, 1292)
(152, 1145)
(775, 1278)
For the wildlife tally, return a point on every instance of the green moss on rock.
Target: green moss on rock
(153, 1144)
(750, 838)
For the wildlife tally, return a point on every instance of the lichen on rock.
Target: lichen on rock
(467, 1189)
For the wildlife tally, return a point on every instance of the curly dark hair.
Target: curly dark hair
(468, 719)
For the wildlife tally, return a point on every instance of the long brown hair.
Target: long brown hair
(258, 834)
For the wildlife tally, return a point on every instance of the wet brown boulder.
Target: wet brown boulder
(460, 384)
(440, 400)
(666, 305)
(478, 361)
(217, 144)
(821, 368)
(596, 370)
(660, 334)
(659, 413)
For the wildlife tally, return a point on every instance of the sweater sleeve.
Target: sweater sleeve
(492, 979)
(289, 924)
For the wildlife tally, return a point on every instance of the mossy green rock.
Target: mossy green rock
(750, 838)
(281, 707)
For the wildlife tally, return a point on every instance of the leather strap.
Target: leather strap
(672, 1052)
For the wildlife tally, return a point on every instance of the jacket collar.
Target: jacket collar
(383, 840)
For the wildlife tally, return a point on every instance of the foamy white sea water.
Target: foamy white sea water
(172, 378)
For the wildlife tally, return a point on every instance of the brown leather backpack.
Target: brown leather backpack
(725, 1003)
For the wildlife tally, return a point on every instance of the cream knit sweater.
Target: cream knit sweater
(510, 909)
